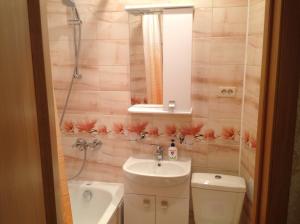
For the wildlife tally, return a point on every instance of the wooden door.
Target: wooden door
(27, 193)
(277, 111)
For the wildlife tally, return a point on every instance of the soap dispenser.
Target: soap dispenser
(172, 151)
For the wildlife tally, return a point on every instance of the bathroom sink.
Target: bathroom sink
(147, 171)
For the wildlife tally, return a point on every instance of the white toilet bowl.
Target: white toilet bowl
(217, 199)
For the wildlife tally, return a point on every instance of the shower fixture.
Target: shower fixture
(83, 145)
(70, 3)
(76, 22)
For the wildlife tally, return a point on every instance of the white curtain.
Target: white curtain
(153, 57)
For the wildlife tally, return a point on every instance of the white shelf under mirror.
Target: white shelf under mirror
(154, 109)
(148, 8)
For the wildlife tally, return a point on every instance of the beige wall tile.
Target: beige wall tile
(255, 43)
(113, 102)
(61, 52)
(252, 89)
(202, 3)
(114, 78)
(229, 3)
(198, 153)
(252, 84)
(55, 6)
(201, 50)
(229, 21)
(80, 101)
(105, 52)
(226, 75)
(202, 25)
(256, 15)
(62, 76)
(103, 5)
(227, 50)
(112, 26)
(223, 158)
(58, 27)
(199, 104)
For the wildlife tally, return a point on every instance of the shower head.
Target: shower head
(70, 3)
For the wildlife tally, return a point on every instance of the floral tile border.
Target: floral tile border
(141, 131)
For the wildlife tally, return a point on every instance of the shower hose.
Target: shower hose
(76, 22)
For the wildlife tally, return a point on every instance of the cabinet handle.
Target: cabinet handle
(164, 204)
(146, 203)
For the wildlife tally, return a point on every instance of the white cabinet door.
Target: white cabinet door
(172, 210)
(139, 209)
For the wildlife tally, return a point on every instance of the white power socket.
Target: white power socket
(227, 91)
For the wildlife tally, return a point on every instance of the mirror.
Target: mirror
(146, 58)
(160, 58)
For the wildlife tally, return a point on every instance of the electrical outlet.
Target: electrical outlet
(227, 91)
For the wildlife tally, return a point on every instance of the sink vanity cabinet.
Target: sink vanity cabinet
(156, 195)
(172, 210)
(139, 209)
(150, 209)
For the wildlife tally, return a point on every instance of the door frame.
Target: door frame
(45, 109)
(277, 111)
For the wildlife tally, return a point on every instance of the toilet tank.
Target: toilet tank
(217, 199)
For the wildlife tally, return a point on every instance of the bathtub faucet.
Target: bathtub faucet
(82, 144)
(95, 144)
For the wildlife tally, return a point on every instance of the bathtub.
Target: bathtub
(95, 202)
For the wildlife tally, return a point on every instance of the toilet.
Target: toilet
(217, 199)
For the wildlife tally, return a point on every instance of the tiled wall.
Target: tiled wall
(251, 99)
(99, 101)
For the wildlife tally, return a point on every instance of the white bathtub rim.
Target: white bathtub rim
(115, 189)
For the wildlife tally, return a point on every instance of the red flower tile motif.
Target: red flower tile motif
(253, 143)
(186, 134)
(228, 133)
(118, 128)
(153, 131)
(145, 100)
(171, 130)
(86, 126)
(137, 127)
(102, 130)
(246, 137)
(209, 134)
(69, 127)
(135, 100)
(191, 130)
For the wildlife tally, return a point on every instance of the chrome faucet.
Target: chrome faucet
(159, 154)
(82, 144)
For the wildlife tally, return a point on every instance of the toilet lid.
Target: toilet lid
(220, 182)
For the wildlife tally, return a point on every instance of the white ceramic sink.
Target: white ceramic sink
(147, 171)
